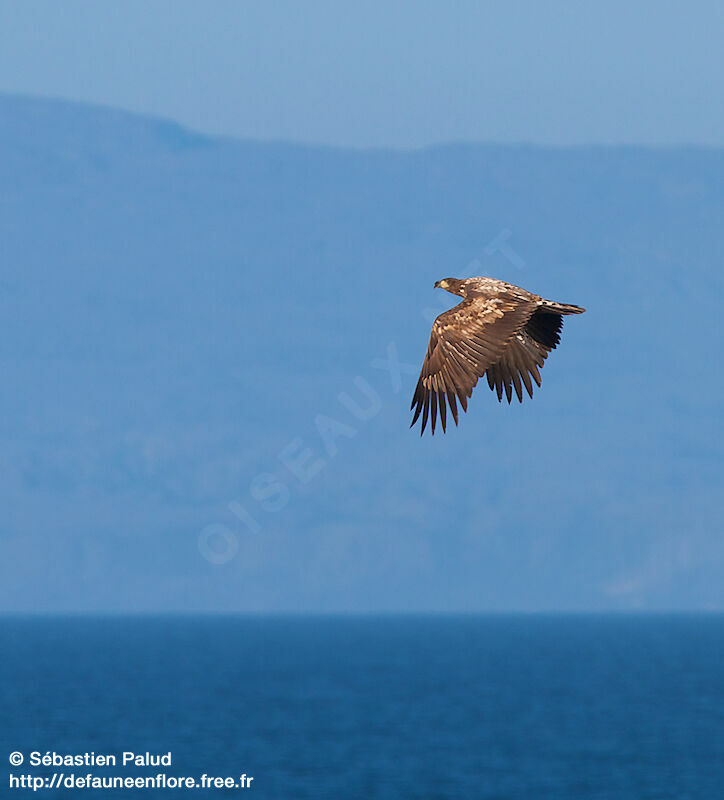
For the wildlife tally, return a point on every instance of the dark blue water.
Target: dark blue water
(437, 707)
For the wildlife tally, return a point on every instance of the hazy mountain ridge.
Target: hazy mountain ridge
(177, 309)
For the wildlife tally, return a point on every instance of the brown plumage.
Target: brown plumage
(500, 331)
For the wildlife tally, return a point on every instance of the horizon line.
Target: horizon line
(153, 117)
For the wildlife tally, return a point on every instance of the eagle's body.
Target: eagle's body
(500, 331)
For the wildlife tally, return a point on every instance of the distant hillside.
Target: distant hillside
(179, 316)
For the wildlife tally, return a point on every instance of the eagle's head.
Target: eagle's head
(454, 285)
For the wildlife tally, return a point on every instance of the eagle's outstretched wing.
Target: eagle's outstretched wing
(528, 350)
(525, 353)
(465, 341)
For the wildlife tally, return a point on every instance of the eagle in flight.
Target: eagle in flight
(500, 331)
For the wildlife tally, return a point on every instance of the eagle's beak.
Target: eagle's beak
(437, 285)
(441, 285)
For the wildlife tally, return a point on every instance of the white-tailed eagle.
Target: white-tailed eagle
(500, 331)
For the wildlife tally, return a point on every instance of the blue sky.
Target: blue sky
(401, 74)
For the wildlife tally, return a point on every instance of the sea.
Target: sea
(509, 707)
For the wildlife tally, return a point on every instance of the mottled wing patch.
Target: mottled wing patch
(465, 341)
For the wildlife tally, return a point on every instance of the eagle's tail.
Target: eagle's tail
(561, 308)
